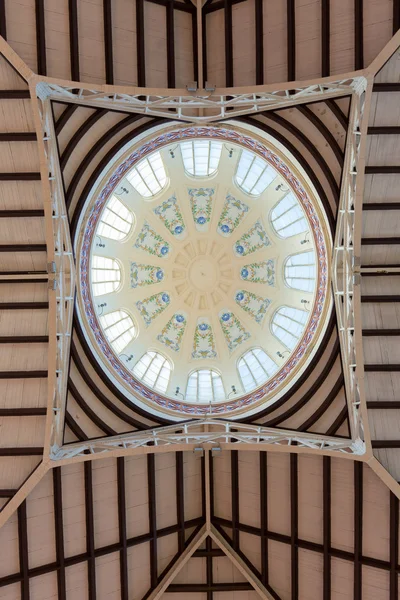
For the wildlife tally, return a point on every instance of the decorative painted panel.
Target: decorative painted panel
(262, 272)
(145, 275)
(234, 332)
(150, 241)
(170, 214)
(201, 205)
(203, 342)
(254, 305)
(151, 307)
(254, 239)
(172, 334)
(231, 216)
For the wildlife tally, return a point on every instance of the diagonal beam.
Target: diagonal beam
(179, 564)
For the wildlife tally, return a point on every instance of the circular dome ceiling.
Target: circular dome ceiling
(203, 283)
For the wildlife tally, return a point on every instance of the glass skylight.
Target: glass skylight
(149, 176)
(154, 370)
(255, 367)
(119, 329)
(253, 173)
(300, 271)
(288, 325)
(287, 217)
(116, 220)
(201, 157)
(205, 385)
(105, 275)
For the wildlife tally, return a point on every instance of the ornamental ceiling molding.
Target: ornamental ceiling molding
(62, 281)
(313, 329)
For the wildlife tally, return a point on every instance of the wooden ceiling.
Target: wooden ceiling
(307, 527)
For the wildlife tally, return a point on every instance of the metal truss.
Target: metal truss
(200, 106)
(208, 432)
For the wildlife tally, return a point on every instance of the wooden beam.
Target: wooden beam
(235, 497)
(379, 444)
(21, 451)
(18, 137)
(217, 5)
(40, 38)
(108, 41)
(394, 547)
(24, 339)
(80, 133)
(381, 206)
(380, 332)
(195, 34)
(59, 533)
(209, 568)
(23, 550)
(180, 501)
(259, 24)
(88, 410)
(170, 44)
(294, 526)
(74, 39)
(23, 213)
(358, 513)
(383, 404)
(326, 525)
(383, 298)
(27, 176)
(291, 40)
(141, 67)
(13, 280)
(382, 170)
(23, 247)
(388, 130)
(24, 305)
(213, 553)
(323, 129)
(14, 95)
(325, 38)
(90, 544)
(381, 241)
(374, 368)
(23, 412)
(151, 482)
(8, 493)
(3, 28)
(358, 34)
(23, 374)
(337, 111)
(123, 553)
(191, 588)
(264, 517)
(228, 43)
(386, 87)
(64, 118)
(204, 40)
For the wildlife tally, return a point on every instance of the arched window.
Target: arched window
(119, 329)
(288, 325)
(204, 385)
(300, 271)
(154, 370)
(287, 217)
(201, 157)
(255, 367)
(116, 220)
(149, 176)
(105, 275)
(253, 173)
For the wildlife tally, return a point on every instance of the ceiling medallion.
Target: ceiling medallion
(201, 264)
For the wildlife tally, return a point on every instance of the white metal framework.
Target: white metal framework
(154, 370)
(119, 329)
(300, 271)
(149, 176)
(255, 368)
(116, 220)
(201, 157)
(105, 275)
(287, 217)
(205, 385)
(253, 173)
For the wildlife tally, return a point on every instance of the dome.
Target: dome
(203, 270)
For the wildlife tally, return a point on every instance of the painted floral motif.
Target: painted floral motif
(262, 272)
(145, 275)
(151, 307)
(234, 332)
(254, 239)
(150, 241)
(203, 342)
(201, 205)
(170, 214)
(254, 305)
(231, 216)
(172, 334)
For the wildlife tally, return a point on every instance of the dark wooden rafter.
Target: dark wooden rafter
(294, 525)
(24, 339)
(90, 540)
(79, 134)
(385, 404)
(141, 65)
(235, 498)
(259, 19)
(180, 500)
(22, 247)
(151, 481)
(23, 213)
(204, 41)
(384, 130)
(358, 34)
(291, 39)
(89, 412)
(26, 176)
(325, 38)
(23, 375)
(228, 43)
(337, 111)
(381, 205)
(23, 412)
(382, 170)
(74, 427)
(386, 87)
(209, 569)
(40, 37)
(381, 368)
(24, 305)
(396, 16)
(74, 39)
(14, 95)
(20, 136)
(324, 406)
(380, 332)
(59, 533)
(23, 550)
(324, 130)
(170, 44)
(326, 517)
(108, 41)
(358, 513)
(65, 117)
(380, 444)
(3, 27)
(394, 547)
(384, 298)
(264, 516)
(123, 553)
